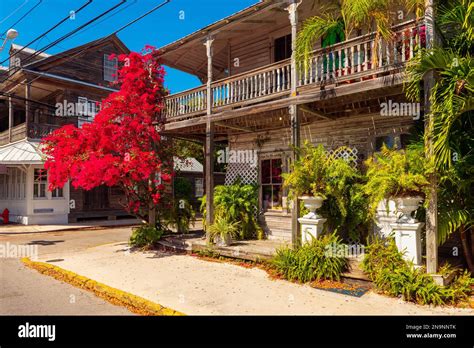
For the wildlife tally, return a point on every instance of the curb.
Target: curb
(115, 296)
(72, 229)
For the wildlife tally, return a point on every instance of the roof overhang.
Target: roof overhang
(23, 152)
(188, 53)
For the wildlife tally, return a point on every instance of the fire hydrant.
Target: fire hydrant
(6, 216)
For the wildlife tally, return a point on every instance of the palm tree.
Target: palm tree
(339, 18)
(452, 108)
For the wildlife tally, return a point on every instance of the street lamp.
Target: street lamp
(11, 35)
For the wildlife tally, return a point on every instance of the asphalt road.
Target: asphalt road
(24, 291)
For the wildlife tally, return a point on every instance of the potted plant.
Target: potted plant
(306, 179)
(222, 231)
(397, 176)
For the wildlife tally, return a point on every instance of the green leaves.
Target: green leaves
(392, 173)
(391, 275)
(237, 203)
(310, 261)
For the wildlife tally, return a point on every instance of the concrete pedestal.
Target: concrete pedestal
(311, 228)
(408, 240)
(385, 216)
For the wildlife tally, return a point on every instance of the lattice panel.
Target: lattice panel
(350, 155)
(248, 174)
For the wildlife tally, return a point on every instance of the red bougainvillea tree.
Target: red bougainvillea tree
(122, 146)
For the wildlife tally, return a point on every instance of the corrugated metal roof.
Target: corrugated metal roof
(22, 152)
(189, 164)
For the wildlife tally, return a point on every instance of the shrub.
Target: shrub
(236, 203)
(393, 276)
(145, 235)
(180, 216)
(310, 261)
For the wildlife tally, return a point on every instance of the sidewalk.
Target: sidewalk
(197, 287)
(23, 229)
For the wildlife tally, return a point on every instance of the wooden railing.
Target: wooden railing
(364, 55)
(36, 130)
(272, 79)
(350, 60)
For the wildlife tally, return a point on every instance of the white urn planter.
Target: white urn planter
(406, 206)
(407, 229)
(312, 203)
(311, 224)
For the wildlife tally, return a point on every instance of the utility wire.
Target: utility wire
(47, 32)
(15, 11)
(23, 17)
(103, 39)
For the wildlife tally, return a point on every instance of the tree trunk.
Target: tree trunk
(152, 216)
(467, 249)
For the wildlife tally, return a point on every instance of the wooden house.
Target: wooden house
(255, 100)
(39, 93)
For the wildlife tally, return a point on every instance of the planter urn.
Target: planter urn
(312, 223)
(407, 230)
(312, 203)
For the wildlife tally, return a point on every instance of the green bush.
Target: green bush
(181, 215)
(393, 276)
(236, 203)
(145, 235)
(310, 261)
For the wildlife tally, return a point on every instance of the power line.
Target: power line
(47, 32)
(62, 38)
(25, 15)
(15, 11)
(103, 39)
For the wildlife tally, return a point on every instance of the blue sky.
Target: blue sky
(158, 29)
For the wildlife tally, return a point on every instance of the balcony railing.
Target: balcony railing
(38, 128)
(350, 60)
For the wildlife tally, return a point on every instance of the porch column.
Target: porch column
(27, 105)
(10, 119)
(294, 115)
(432, 210)
(209, 146)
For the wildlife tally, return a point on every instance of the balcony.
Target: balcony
(37, 128)
(354, 60)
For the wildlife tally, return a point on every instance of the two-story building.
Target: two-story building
(39, 93)
(254, 99)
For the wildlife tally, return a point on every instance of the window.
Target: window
(39, 182)
(199, 187)
(282, 48)
(399, 141)
(110, 68)
(57, 193)
(13, 184)
(271, 184)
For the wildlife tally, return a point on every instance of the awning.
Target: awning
(21, 152)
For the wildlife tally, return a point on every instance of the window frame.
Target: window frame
(112, 77)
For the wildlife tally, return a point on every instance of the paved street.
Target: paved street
(24, 291)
